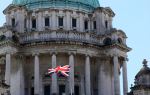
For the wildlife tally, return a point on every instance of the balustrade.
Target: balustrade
(47, 36)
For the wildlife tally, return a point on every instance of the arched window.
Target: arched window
(120, 41)
(107, 41)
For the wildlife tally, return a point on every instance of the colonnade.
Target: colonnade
(87, 79)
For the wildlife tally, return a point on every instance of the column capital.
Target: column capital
(115, 54)
(19, 56)
(53, 52)
(8, 52)
(72, 52)
(88, 55)
(35, 54)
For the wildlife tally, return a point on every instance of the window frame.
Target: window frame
(34, 22)
(86, 25)
(74, 22)
(47, 21)
(60, 21)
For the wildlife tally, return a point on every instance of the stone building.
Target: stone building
(142, 81)
(4, 88)
(42, 34)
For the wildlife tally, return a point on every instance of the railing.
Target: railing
(29, 37)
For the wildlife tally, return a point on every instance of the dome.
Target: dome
(87, 5)
(144, 70)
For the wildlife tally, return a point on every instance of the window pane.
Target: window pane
(13, 22)
(60, 21)
(85, 25)
(74, 22)
(94, 24)
(46, 21)
(33, 23)
(106, 24)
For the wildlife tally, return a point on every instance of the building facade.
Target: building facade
(142, 81)
(42, 34)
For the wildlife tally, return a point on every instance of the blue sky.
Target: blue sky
(133, 17)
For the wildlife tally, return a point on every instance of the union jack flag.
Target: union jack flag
(64, 70)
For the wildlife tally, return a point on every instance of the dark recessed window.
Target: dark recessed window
(60, 21)
(94, 24)
(47, 21)
(107, 41)
(13, 22)
(74, 22)
(33, 23)
(106, 24)
(85, 25)
(120, 41)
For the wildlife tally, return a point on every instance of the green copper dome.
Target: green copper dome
(87, 5)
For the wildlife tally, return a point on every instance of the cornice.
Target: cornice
(106, 10)
(119, 46)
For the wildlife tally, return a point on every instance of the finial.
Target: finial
(145, 63)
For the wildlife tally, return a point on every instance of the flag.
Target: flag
(64, 70)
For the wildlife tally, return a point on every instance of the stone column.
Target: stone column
(82, 85)
(71, 75)
(125, 80)
(116, 76)
(102, 79)
(8, 68)
(36, 75)
(87, 76)
(54, 76)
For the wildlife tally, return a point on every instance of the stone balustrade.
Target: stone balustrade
(87, 37)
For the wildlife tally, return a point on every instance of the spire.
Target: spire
(145, 63)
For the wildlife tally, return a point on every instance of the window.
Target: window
(13, 22)
(74, 22)
(85, 25)
(47, 21)
(94, 24)
(106, 24)
(34, 23)
(120, 41)
(60, 21)
(107, 41)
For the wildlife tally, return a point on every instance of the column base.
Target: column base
(71, 94)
